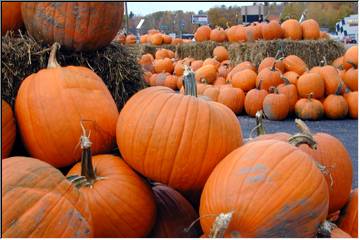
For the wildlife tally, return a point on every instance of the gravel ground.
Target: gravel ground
(345, 130)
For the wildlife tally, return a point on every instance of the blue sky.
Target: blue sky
(143, 8)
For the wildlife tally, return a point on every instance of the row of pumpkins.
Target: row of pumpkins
(270, 186)
(280, 87)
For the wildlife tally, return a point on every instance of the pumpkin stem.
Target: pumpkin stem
(339, 88)
(301, 138)
(52, 62)
(87, 169)
(286, 81)
(220, 225)
(260, 130)
(309, 97)
(301, 125)
(273, 89)
(190, 87)
(323, 61)
(273, 69)
(325, 228)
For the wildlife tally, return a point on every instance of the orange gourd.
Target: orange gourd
(269, 62)
(254, 101)
(195, 65)
(335, 105)
(311, 83)
(271, 30)
(218, 35)
(294, 63)
(207, 73)
(163, 65)
(269, 76)
(245, 80)
(350, 78)
(156, 39)
(332, 80)
(220, 53)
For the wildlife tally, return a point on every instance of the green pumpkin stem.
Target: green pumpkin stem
(52, 62)
(190, 87)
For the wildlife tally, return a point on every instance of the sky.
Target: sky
(143, 8)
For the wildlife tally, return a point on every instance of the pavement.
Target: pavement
(345, 130)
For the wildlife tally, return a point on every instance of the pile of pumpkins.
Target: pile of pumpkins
(153, 36)
(279, 86)
(290, 29)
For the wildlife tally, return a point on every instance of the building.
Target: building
(252, 13)
(347, 28)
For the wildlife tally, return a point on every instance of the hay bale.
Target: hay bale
(22, 56)
(312, 52)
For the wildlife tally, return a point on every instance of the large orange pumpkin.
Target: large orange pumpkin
(156, 39)
(10, 16)
(292, 29)
(335, 106)
(352, 101)
(271, 30)
(240, 67)
(332, 80)
(351, 56)
(195, 65)
(207, 73)
(349, 215)
(254, 101)
(311, 83)
(158, 118)
(340, 64)
(70, 24)
(236, 33)
(202, 34)
(294, 63)
(309, 108)
(38, 201)
(292, 77)
(218, 35)
(174, 214)
(220, 53)
(337, 166)
(50, 104)
(163, 65)
(276, 105)
(167, 39)
(8, 129)
(269, 62)
(273, 189)
(269, 77)
(121, 203)
(212, 61)
(310, 29)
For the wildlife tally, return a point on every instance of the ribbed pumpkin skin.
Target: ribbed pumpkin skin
(349, 218)
(280, 136)
(335, 107)
(292, 29)
(351, 79)
(294, 63)
(292, 77)
(268, 78)
(37, 201)
(10, 16)
(311, 83)
(352, 101)
(274, 189)
(202, 34)
(309, 109)
(122, 205)
(269, 62)
(174, 214)
(290, 91)
(80, 26)
(254, 101)
(271, 30)
(276, 106)
(175, 139)
(310, 29)
(331, 79)
(245, 79)
(231, 97)
(8, 129)
(220, 53)
(333, 155)
(50, 105)
(351, 56)
(207, 72)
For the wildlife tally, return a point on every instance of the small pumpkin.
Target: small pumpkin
(195, 65)
(130, 39)
(310, 29)
(174, 214)
(50, 124)
(236, 33)
(166, 39)
(173, 122)
(332, 80)
(351, 56)
(156, 39)
(107, 181)
(254, 101)
(335, 105)
(245, 80)
(8, 129)
(207, 72)
(220, 53)
(289, 90)
(352, 101)
(163, 65)
(202, 33)
(294, 63)
(146, 59)
(348, 220)
(162, 53)
(171, 82)
(339, 63)
(271, 30)
(269, 62)
(309, 108)
(292, 77)
(276, 105)
(311, 83)
(218, 35)
(292, 29)
(269, 77)
(11, 16)
(212, 61)
(350, 78)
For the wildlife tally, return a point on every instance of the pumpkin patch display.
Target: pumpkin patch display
(51, 103)
(8, 129)
(158, 118)
(69, 24)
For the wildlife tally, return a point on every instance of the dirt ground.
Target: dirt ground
(345, 130)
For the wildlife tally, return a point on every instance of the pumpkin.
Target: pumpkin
(146, 59)
(292, 29)
(351, 56)
(295, 64)
(224, 69)
(339, 63)
(229, 96)
(176, 41)
(152, 31)
(309, 108)
(218, 35)
(8, 129)
(316, 69)
(159, 79)
(269, 62)
(253, 32)
(166, 39)
(163, 65)
(269, 77)
(335, 105)
(11, 16)
(207, 72)
(289, 90)
(220, 81)
(236, 33)
(147, 76)
(113, 183)
(212, 61)
(179, 68)
(352, 101)
(174, 122)
(38, 201)
(179, 82)
(276, 105)
(171, 82)
(295, 209)
(245, 79)
(271, 30)
(337, 166)
(130, 39)
(351, 78)
(220, 53)
(48, 129)
(292, 77)
(349, 215)
(70, 24)
(156, 39)
(174, 214)
(195, 65)
(202, 34)
(310, 83)
(144, 38)
(310, 29)
(254, 101)
(162, 53)
(332, 80)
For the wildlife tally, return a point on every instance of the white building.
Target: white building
(348, 28)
